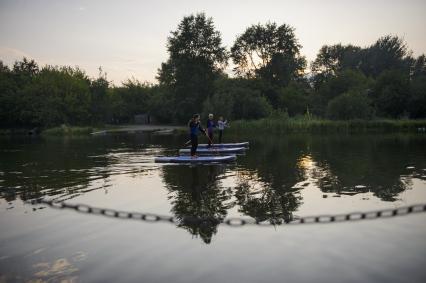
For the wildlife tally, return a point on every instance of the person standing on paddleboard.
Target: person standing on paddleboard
(194, 129)
(210, 125)
(221, 126)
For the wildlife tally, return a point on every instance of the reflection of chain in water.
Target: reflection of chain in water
(191, 220)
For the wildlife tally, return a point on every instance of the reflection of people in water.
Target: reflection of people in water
(197, 195)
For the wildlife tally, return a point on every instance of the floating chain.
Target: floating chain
(191, 220)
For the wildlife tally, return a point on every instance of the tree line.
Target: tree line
(270, 77)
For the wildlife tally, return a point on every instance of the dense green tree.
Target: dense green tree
(417, 102)
(8, 98)
(130, 99)
(196, 59)
(345, 81)
(332, 59)
(24, 71)
(161, 104)
(270, 52)
(350, 105)
(387, 53)
(237, 99)
(294, 99)
(99, 98)
(391, 94)
(56, 95)
(419, 67)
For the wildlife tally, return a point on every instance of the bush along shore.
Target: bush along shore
(294, 125)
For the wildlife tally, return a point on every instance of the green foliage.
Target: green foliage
(8, 98)
(161, 105)
(349, 106)
(391, 94)
(270, 52)
(237, 99)
(343, 82)
(294, 99)
(55, 96)
(419, 66)
(347, 82)
(196, 59)
(221, 103)
(99, 106)
(129, 100)
(333, 59)
(63, 95)
(251, 105)
(417, 103)
(388, 53)
(296, 125)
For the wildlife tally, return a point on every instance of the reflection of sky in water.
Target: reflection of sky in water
(282, 179)
(122, 175)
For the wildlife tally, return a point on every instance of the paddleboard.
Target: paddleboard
(214, 150)
(199, 159)
(236, 144)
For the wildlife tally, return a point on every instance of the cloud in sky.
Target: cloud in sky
(10, 55)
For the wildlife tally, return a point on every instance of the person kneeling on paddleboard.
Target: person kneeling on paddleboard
(194, 129)
(210, 125)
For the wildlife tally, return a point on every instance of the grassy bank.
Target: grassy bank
(267, 125)
(67, 130)
(291, 125)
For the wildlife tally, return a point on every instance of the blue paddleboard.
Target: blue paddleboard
(214, 150)
(236, 144)
(199, 159)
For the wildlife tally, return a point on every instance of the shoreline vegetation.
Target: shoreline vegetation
(291, 125)
(272, 88)
(265, 125)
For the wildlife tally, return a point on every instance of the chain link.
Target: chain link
(192, 220)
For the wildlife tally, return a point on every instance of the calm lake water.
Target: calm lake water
(278, 179)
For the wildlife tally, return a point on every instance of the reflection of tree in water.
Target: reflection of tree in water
(196, 193)
(351, 165)
(274, 160)
(263, 202)
(343, 164)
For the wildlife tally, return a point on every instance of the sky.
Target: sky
(128, 38)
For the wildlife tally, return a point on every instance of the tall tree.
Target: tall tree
(419, 66)
(270, 52)
(196, 58)
(387, 53)
(332, 59)
(99, 97)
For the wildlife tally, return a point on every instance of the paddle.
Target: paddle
(211, 143)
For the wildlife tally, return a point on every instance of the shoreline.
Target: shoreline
(269, 125)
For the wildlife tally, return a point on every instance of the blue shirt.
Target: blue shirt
(195, 128)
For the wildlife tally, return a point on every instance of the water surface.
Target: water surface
(280, 178)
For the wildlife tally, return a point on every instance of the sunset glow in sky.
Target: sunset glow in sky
(128, 38)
